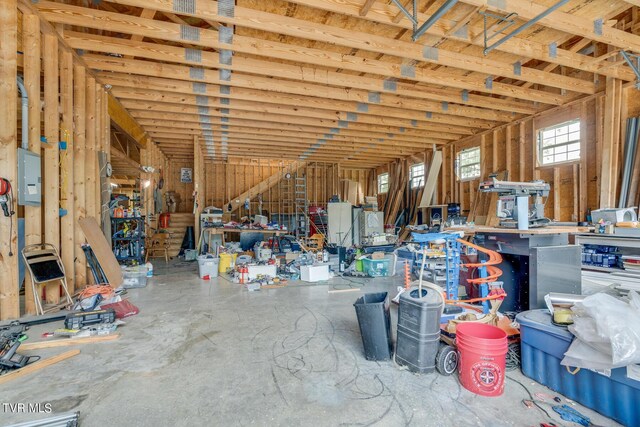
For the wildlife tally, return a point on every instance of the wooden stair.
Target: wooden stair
(178, 226)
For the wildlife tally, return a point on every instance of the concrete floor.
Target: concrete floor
(204, 353)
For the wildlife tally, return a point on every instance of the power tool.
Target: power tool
(11, 336)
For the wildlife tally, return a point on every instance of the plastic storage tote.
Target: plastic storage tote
(418, 330)
(377, 267)
(134, 276)
(374, 320)
(543, 347)
(208, 266)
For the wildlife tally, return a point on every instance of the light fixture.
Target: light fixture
(146, 183)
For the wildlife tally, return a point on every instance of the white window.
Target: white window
(383, 183)
(559, 143)
(417, 175)
(468, 164)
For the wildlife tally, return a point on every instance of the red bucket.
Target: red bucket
(483, 349)
(164, 221)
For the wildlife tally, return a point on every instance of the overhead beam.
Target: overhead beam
(187, 87)
(259, 20)
(179, 72)
(521, 47)
(121, 117)
(91, 18)
(329, 126)
(390, 124)
(404, 92)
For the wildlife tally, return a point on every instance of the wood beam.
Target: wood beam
(366, 7)
(67, 193)
(211, 77)
(404, 92)
(51, 188)
(9, 299)
(259, 20)
(31, 47)
(155, 110)
(389, 124)
(79, 146)
(91, 18)
(123, 119)
(519, 46)
(449, 123)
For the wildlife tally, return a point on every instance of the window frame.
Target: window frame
(459, 167)
(540, 148)
(381, 183)
(412, 177)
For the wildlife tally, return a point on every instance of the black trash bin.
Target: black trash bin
(375, 325)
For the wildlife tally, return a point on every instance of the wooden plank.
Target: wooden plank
(51, 187)
(79, 127)
(582, 172)
(128, 124)
(102, 250)
(556, 193)
(67, 194)
(366, 7)
(607, 176)
(67, 342)
(9, 299)
(90, 154)
(36, 366)
(32, 214)
(432, 180)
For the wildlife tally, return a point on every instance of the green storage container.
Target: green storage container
(377, 267)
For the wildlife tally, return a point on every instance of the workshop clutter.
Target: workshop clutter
(614, 393)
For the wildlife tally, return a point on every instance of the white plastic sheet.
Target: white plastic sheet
(607, 332)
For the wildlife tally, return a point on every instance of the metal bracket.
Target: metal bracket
(520, 29)
(413, 16)
(634, 62)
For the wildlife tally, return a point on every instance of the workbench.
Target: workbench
(209, 234)
(534, 262)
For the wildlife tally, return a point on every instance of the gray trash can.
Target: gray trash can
(375, 325)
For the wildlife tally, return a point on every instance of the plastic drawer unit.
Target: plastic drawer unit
(543, 346)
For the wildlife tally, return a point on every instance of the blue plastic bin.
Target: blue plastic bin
(543, 346)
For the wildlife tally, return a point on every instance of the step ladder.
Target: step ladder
(301, 202)
(286, 205)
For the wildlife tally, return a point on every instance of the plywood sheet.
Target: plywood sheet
(102, 250)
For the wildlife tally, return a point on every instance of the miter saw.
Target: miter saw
(513, 207)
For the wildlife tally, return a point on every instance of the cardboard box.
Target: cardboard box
(314, 273)
(292, 256)
(377, 255)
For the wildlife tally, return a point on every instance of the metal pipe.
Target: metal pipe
(526, 25)
(25, 113)
(405, 11)
(448, 4)
(56, 420)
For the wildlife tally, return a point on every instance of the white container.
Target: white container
(262, 270)
(314, 273)
(134, 276)
(207, 266)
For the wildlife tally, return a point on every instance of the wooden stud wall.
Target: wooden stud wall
(225, 181)
(70, 106)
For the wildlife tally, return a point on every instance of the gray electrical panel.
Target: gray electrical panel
(29, 178)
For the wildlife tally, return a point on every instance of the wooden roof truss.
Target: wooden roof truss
(342, 80)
